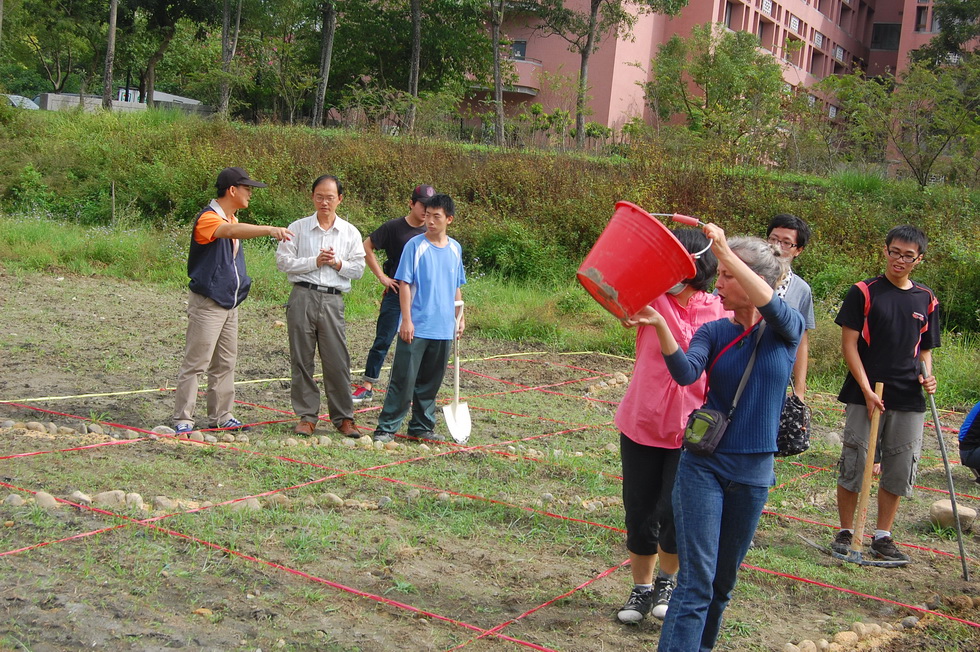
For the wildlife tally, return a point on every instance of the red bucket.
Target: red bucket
(634, 261)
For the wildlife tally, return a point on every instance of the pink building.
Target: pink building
(828, 37)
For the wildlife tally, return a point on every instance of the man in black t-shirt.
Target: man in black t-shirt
(390, 237)
(889, 324)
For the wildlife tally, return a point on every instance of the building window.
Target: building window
(921, 18)
(767, 7)
(518, 50)
(832, 111)
(839, 53)
(794, 24)
(818, 39)
(885, 36)
(811, 100)
(728, 15)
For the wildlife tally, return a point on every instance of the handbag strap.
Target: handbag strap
(748, 370)
(738, 339)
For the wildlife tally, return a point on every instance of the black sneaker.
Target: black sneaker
(637, 607)
(663, 589)
(427, 434)
(842, 542)
(383, 437)
(886, 549)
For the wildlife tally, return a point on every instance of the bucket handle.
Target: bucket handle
(703, 251)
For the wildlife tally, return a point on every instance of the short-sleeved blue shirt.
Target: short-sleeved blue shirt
(434, 273)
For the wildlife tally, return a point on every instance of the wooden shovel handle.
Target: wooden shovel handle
(869, 462)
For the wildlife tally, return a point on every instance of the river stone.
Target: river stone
(134, 500)
(228, 438)
(164, 430)
(95, 429)
(35, 426)
(612, 448)
(206, 504)
(424, 447)
(290, 442)
(211, 439)
(789, 647)
(547, 497)
(323, 440)
(333, 500)
(164, 503)
(941, 514)
(846, 638)
(243, 438)
(112, 498)
(443, 497)
(251, 504)
(807, 646)
(348, 442)
(278, 500)
(196, 436)
(52, 428)
(65, 430)
(365, 442)
(44, 500)
(379, 445)
(413, 494)
(6, 424)
(832, 438)
(910, 621)
(78, 497)
(130, 434)
(13, 500)
(384, 501)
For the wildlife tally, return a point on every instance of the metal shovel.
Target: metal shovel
(457, 414)
(949, 480)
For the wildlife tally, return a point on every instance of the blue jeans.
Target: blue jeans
(715, 519)
(387, 328)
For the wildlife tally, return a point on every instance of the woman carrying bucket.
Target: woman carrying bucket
(718, 498)
(651, 421)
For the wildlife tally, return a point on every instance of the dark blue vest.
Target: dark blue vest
(215, 271)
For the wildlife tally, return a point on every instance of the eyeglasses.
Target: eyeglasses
(905, 258)
(783, 243)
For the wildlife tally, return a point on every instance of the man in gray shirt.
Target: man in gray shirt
(791, 234)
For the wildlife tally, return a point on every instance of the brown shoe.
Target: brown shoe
(348, 429)
(305, 428)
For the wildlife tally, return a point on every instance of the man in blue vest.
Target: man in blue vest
(219, 283)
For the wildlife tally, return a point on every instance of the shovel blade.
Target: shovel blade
(458, 421)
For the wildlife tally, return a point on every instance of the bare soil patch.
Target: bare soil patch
(517, 536)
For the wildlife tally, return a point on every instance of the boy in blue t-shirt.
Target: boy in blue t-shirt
(429, 277)
(970, 442)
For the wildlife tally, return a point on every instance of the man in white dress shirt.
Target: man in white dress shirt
(324, 256)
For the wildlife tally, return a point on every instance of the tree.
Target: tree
(109, 56)
(583, 30)
(923, 115)
(229, 45)
(724, 85)
(63, 37)
(496, 20)
(415, 9)
(959, 26)
(328, 28)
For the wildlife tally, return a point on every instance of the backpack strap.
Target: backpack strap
(865, 331)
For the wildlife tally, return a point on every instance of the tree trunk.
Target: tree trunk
(496, 19)
(1, 22)
(413, 71)
(583, 75)
(229, 45)
(110, 55)
(151, 65)
(327, 31)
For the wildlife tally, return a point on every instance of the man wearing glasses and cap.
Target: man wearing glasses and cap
(390, 237)
(218, 284)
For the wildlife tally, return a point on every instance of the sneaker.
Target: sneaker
(663, 589)
(426, 434)
(362, 395)
(637, 607)
(886, 549)
(842, 542)
(382, 436)
(184, 428)
(233, 424)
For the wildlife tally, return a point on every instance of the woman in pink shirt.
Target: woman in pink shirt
(651, 420)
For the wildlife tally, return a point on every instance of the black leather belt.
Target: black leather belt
(318, 288)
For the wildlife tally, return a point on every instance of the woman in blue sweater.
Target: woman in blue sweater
(718, 499)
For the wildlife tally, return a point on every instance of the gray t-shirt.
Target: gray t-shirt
(796, 292)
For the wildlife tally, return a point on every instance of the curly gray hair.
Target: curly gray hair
(767, 261)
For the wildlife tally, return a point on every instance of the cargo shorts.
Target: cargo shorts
(900, 444)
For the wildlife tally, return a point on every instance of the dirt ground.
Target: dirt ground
(512, 542)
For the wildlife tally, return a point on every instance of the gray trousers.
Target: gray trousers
(212, 347)
(315, 320)
(416, 375)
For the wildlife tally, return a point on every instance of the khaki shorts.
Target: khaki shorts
(900, 443)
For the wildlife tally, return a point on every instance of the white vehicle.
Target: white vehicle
(21, 102)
